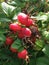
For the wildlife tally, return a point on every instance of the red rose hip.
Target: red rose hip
(29, 22)
(13, 50)
(22, 18)
(15, 27)
(25, 32)
(9, 41)
(20, 34)
(22, 54)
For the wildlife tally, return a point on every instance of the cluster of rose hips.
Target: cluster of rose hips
(22, 28)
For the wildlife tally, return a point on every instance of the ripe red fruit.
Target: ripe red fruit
(22, 54)
(20, 34)
(13, 50)
(22, 18)
(9, 41)
(15, 27)
(29, 22)
(25, 32)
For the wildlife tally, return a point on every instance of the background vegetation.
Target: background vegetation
(38, 10)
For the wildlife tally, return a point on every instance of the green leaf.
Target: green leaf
(2, 15)
(18, 41)
(2, 39)
(42, 17)
(46, 35)
(8, 9)
(32, 61)
(39, 43)
(13, 3)
(46, 50)
(17, 45)
(4, 20)
(42, 61)
(8, 58)
(1, 0)
(20, 49)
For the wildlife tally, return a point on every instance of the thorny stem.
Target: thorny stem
(27, 60)
(27, 40)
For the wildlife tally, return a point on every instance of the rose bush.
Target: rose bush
(24, 32)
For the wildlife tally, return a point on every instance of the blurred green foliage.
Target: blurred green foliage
(39, 9)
